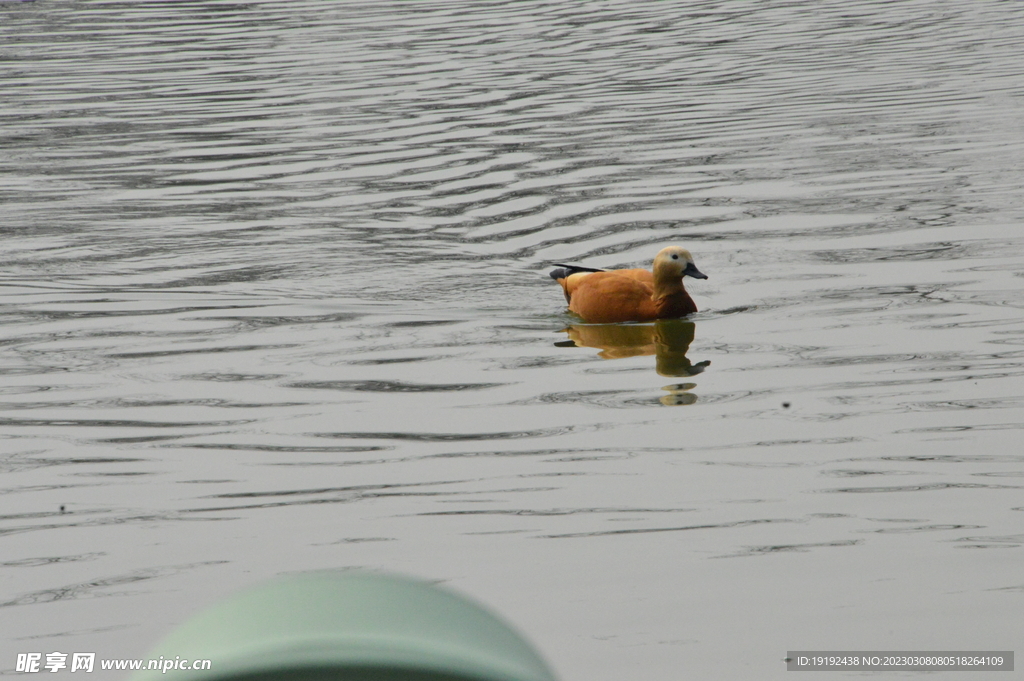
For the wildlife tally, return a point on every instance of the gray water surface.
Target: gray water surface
(274, 298)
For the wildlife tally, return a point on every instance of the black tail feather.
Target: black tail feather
(564, 271)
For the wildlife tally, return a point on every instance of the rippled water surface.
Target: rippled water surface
(274, 298)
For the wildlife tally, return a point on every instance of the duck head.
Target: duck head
(675, 262)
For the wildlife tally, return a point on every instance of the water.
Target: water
(274, 299)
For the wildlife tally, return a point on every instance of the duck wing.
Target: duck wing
(607, 297)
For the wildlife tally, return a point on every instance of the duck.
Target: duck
(630, 295)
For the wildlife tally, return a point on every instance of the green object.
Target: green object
(331, 626)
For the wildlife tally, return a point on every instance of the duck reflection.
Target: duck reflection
(666, 339)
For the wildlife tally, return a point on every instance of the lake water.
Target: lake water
(274, 298)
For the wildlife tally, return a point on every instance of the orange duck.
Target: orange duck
(604, 297)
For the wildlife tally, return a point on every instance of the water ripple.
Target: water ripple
(392, 386)
(451, 437)
(648, 530)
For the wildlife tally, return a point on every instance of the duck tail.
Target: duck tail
(564, 271)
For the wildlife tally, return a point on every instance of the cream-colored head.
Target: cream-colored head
(675, 262)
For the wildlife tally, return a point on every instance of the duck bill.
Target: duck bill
(692, 271)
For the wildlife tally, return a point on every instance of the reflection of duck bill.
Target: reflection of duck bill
(667, 339)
